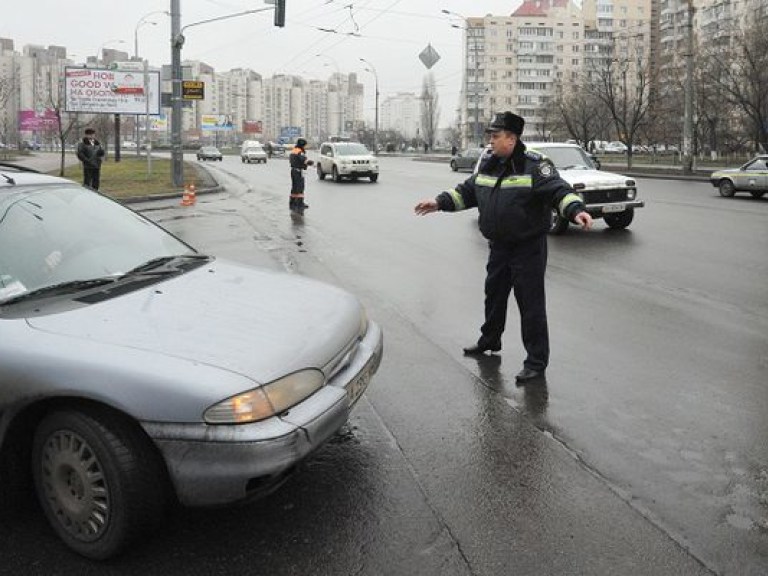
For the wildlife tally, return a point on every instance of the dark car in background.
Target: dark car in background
(209, 153)
(136, 372)
(466, 159)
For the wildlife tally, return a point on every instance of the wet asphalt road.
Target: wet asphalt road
(644, 454)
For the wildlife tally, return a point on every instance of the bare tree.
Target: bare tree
(623, 85)
(64, 125)
(7, 89)
(584, 116)
(739, 71)
(430, 109)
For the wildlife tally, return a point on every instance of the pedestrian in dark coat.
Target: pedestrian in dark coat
(514, 191)
(91, 154)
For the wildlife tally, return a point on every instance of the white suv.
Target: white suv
(347, 160)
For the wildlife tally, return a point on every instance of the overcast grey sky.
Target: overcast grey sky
(388, 33)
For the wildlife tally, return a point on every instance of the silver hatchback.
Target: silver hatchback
(136, 371)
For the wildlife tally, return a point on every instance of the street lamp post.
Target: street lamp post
(376, 107)
(99, 52)
(688, 119)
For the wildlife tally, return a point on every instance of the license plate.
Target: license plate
(358, 385)
(614, 208)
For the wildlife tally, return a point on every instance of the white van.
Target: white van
(249, 144)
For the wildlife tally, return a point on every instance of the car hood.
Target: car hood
(725, 171)
(258, 323)
(594, 179)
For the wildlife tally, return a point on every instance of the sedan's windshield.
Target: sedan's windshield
(68, 234)
(565, 157)
(351, 149)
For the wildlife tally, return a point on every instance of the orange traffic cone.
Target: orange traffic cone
(190, 196)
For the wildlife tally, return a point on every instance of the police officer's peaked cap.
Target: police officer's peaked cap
(507, 121)
(301, 143)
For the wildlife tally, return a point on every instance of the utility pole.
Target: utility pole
(177, 41)
(688, 120)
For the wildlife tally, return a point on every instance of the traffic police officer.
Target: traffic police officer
(514, 191)
(298, 162)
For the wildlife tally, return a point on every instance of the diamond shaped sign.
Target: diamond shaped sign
(429, 56)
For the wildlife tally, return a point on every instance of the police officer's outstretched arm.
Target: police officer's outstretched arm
(454, 200)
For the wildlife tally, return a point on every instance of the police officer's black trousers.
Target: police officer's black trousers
(522, 267)
(297, 188)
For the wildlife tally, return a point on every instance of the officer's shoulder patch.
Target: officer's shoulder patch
(546, 169)
(531, 155)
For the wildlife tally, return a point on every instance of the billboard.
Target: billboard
(290, 132)
(216, 122)
(31, 120)
(102, 91)
(252, 126)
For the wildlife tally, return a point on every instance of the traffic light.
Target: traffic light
(280, 13)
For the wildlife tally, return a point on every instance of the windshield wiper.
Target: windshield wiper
(59, 289)
(150, 266)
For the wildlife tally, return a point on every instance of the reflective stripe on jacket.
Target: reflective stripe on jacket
(513, 206)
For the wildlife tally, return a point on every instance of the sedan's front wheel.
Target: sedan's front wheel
(336, 175)
(99, 482)
(756, 194)
(727, 189)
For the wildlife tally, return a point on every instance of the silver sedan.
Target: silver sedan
(136, 371)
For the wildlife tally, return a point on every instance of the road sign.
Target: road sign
(128, 66)
(192, 90)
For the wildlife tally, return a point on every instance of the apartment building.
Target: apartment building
(522, 61)
(401, 113)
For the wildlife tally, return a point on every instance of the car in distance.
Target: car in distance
(606, 195)
(136, 371)
(752, 177)
(254, 153)
(209, 153)
(347, 160)
(615, 147)
(466, 159)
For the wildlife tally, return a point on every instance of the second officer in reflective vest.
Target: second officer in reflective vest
(299, 163)
(514, 191)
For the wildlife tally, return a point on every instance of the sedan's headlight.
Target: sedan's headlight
(266, 401)
(631, 194)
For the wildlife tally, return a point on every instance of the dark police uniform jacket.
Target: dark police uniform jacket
(298, 159)
(514, 197)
